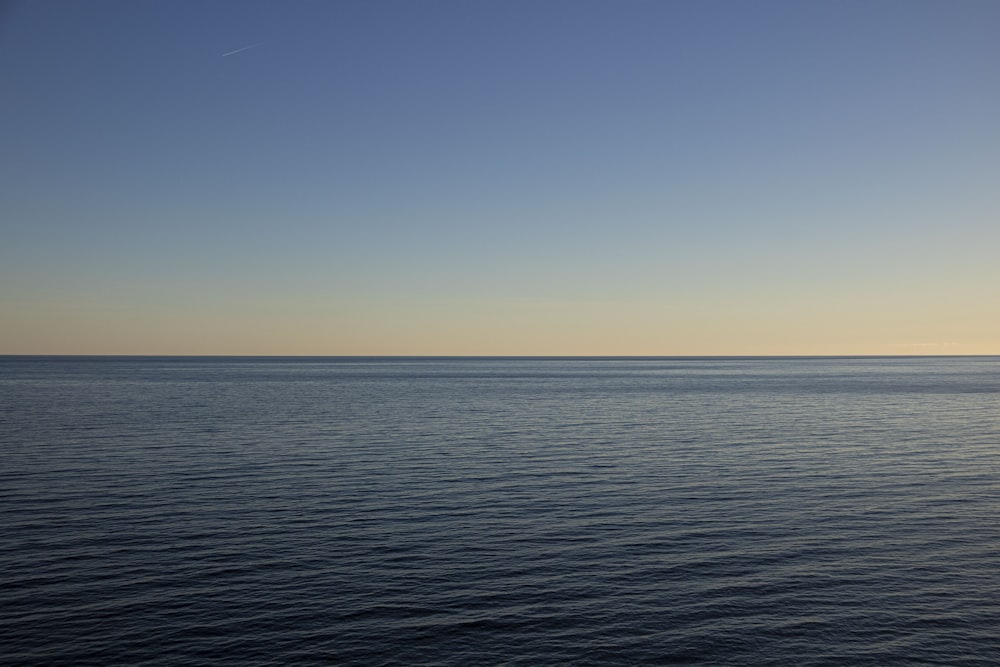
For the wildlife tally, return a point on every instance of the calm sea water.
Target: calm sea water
(388, 511)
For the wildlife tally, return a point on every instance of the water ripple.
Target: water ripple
(500, 511)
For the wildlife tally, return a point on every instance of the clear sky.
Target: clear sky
(674, 177)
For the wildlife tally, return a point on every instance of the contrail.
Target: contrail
(252, 46)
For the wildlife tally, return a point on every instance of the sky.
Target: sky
(500, 177)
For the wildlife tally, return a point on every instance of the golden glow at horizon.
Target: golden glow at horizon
(506, 327)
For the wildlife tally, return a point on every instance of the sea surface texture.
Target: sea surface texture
(394, 511)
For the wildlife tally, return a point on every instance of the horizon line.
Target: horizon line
(500, 356)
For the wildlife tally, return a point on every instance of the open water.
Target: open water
(396, 511)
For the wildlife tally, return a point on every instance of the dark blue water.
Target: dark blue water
(164, 511)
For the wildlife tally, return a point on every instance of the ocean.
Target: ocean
(499, 511)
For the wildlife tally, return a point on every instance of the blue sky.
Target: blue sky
(544, 177)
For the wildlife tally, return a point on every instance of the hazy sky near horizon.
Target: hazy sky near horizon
(500, 177)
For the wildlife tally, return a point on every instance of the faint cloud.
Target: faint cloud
(242, 49)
